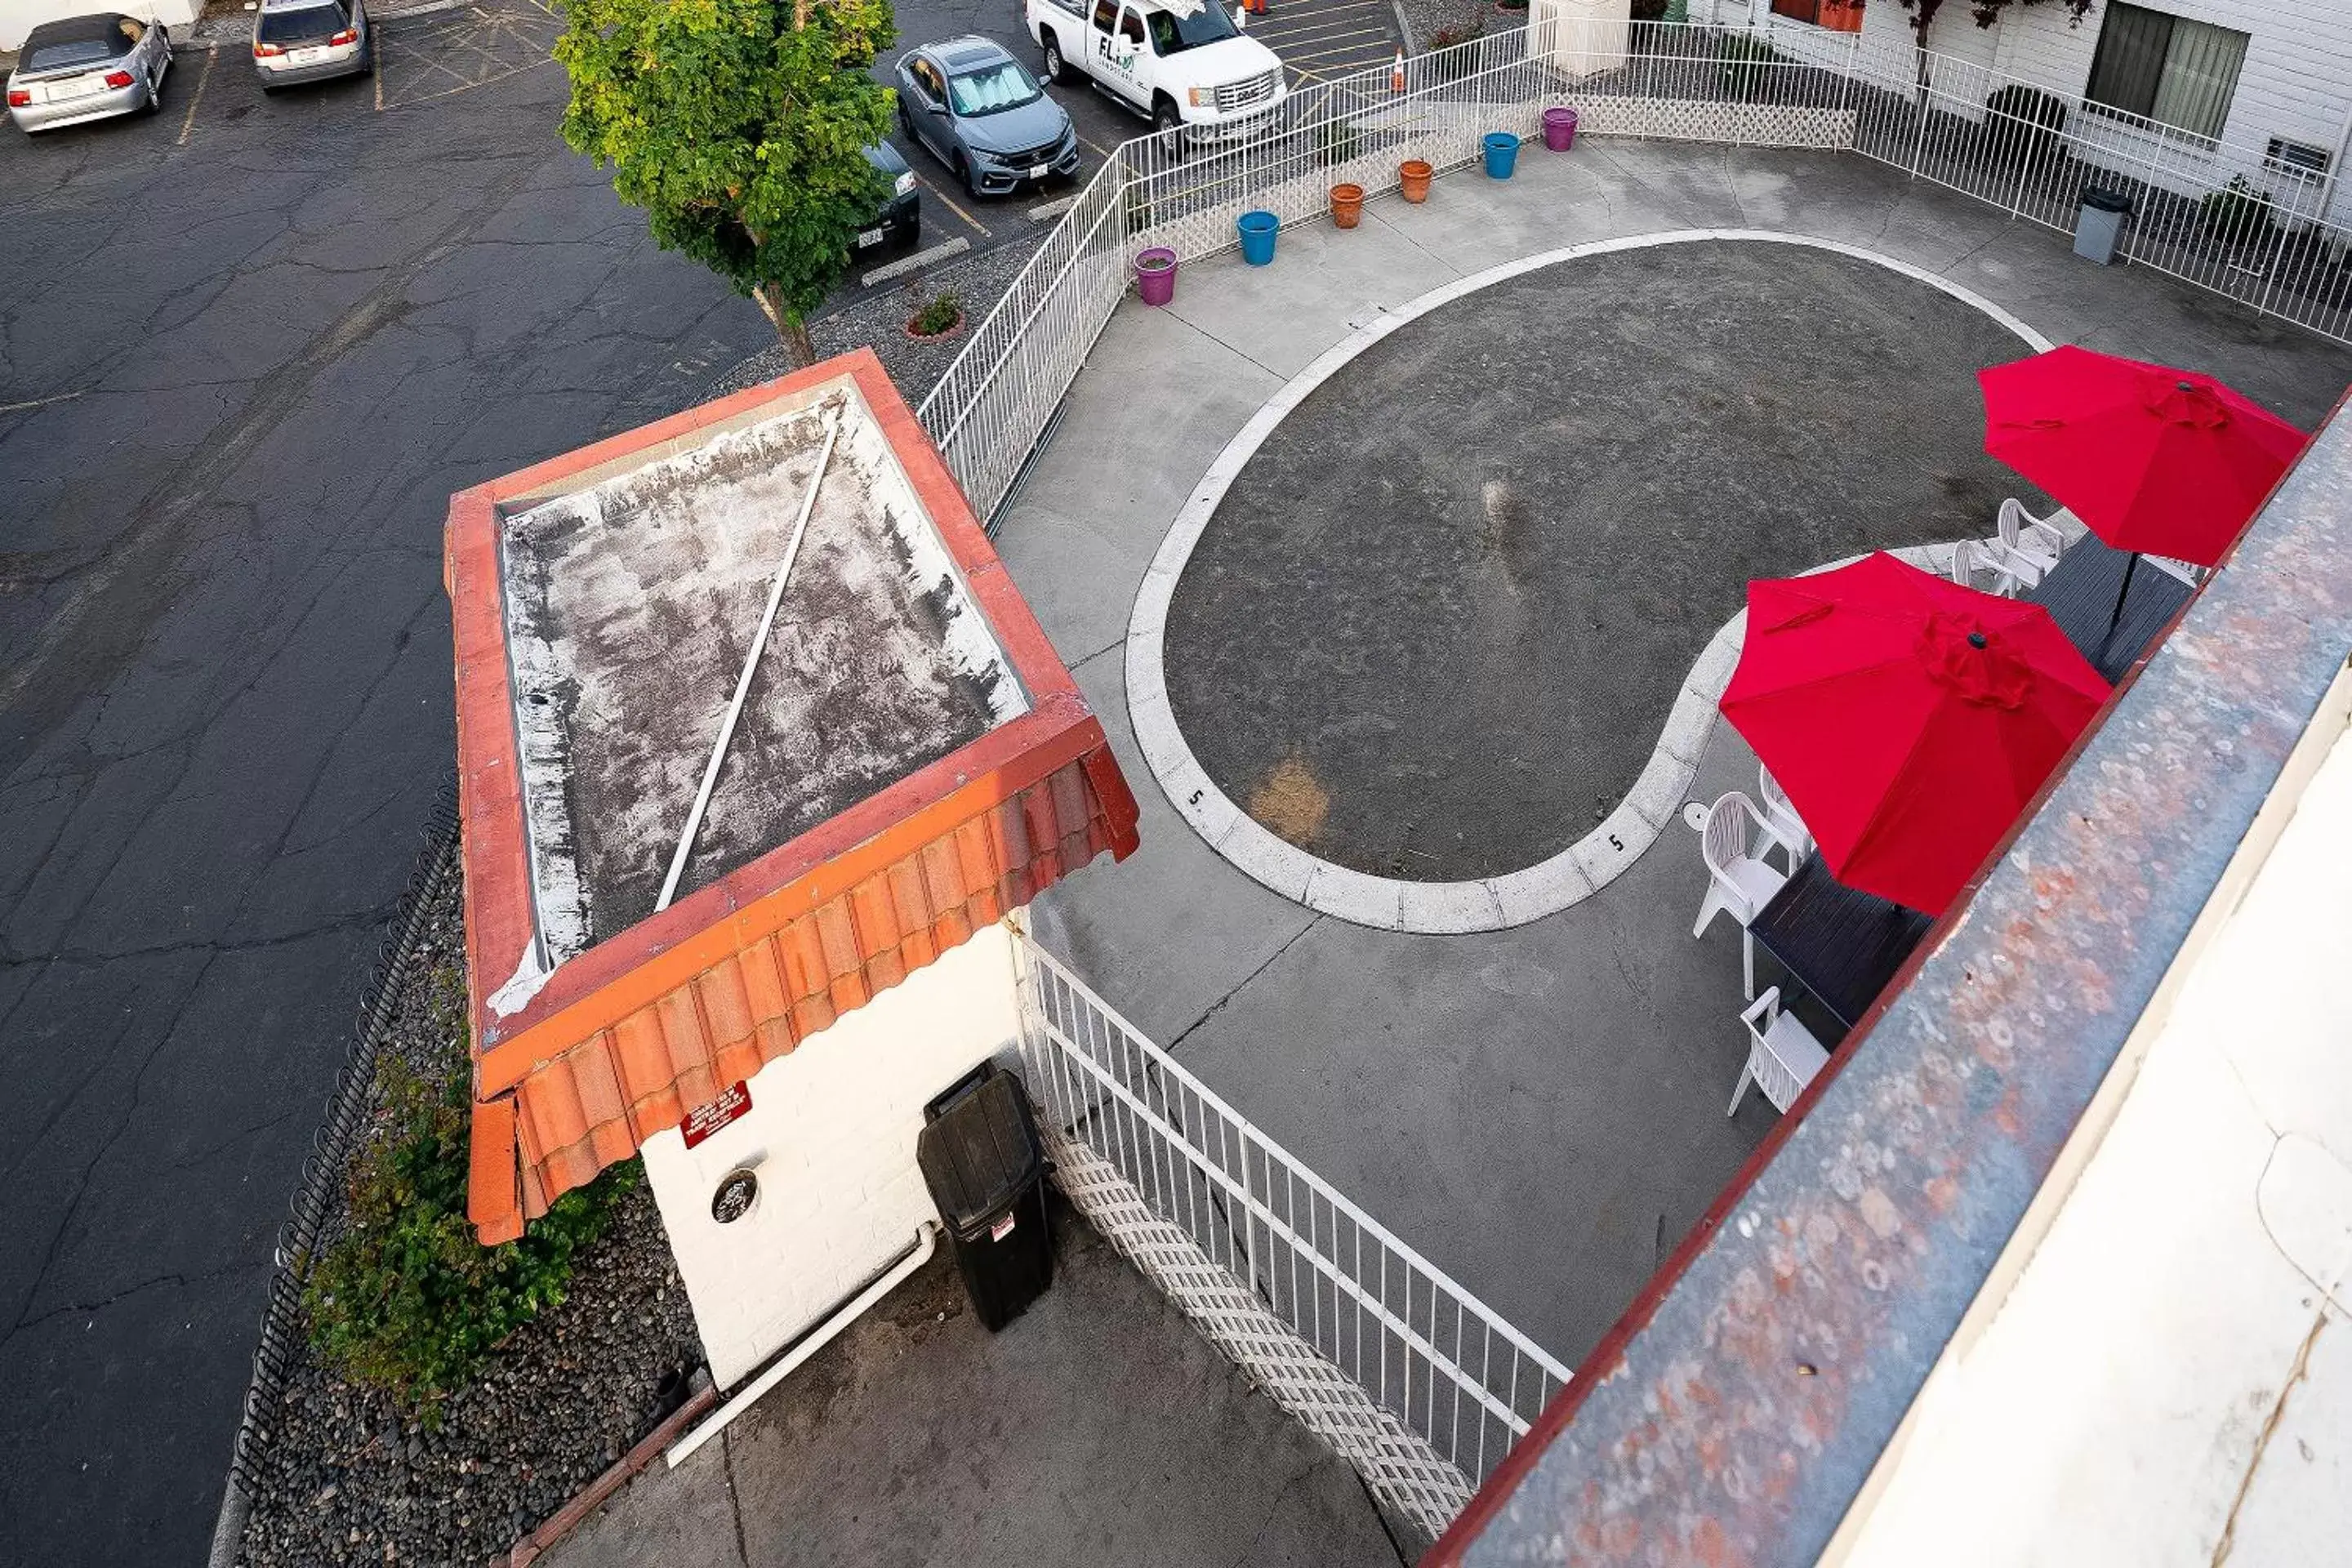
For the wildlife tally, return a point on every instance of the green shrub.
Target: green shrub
(2238, 214)
(2024, 124)
(1746, 66)
(1337, 141)
(937, 314)
(408, 1300)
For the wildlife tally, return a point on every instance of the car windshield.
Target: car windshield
(295, 22)
(1172, 34)
(985, 91)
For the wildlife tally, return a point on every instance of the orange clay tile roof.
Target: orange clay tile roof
(622, 1041)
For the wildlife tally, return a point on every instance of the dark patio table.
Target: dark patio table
(2080, 595)
(1839, 942)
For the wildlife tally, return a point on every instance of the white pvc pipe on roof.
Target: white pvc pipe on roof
(751, 666)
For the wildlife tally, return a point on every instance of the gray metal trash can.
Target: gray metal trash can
(2099, 227)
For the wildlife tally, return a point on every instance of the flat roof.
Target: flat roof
(632, 603)
(912, 761)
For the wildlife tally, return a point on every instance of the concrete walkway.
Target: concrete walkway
(1539, 1110)
(1097, 1428)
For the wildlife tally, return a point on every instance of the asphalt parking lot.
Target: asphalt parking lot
(248, 347)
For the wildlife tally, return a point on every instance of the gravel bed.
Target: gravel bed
(879, 322)
(342, 1477)
(1426, 20)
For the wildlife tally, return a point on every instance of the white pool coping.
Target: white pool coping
(1487, 903)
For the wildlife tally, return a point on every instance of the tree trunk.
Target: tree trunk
(787, 323)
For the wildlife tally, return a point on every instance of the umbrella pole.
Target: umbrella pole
(2131, 564)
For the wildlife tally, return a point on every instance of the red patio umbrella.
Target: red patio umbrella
(1908, 718)
(2156, 460)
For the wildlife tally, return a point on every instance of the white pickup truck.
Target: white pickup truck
(1183, 63)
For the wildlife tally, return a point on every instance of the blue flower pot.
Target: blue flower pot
(1258, 230)
(1502, 155)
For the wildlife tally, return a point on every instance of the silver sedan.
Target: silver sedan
(88, 67)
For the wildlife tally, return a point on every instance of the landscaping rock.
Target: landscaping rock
(344, 1477)
(879, 322)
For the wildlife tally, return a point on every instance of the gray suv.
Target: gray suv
(984, 115)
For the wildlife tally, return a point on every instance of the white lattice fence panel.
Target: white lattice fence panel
(1740, 124)
(1405, 1473)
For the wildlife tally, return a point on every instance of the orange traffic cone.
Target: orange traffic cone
(1396, 73)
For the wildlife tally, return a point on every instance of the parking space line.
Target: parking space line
(1311, 36)
(1308, 45)
(188, 121)
(1273, 32)
(1341, 52)
(37, 403)
(1053, 208)
(948, 201)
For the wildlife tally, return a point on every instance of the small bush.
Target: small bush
(1446, 61)
(408, 1300)
(938, 314)
(1337, 142)
(2237, 215)
(1747, 65)
(2025, 123)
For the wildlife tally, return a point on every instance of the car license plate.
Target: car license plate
(866, 236)
(1038, 173)
(80, 87)
(309, 57)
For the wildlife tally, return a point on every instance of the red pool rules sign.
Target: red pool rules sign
(704, 1120)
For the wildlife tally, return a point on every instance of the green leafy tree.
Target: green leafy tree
(740, 127)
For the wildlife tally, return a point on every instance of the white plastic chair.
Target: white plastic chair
(1782, 827)
(2023, 545)
(1738, 880)
(1782, 1055)
(1970, 557)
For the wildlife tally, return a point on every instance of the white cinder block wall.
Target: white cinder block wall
(831, 1134)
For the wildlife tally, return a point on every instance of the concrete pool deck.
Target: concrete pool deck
(1538, 1109)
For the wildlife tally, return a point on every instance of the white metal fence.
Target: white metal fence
(1408, 1375)
(2226, 216)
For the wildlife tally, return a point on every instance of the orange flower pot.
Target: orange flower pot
(1414, 175)
(1346, 205)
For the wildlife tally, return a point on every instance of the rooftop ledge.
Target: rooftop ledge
(1754, 1404)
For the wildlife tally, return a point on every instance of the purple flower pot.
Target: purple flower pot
(1156, 283)
(1560, 129)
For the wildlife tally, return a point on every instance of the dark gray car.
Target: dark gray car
(984, 115)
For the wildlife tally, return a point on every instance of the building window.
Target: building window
(2173, 70)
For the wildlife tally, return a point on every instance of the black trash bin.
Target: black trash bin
(985, 1166)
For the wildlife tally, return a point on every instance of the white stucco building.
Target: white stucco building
(905, 765)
